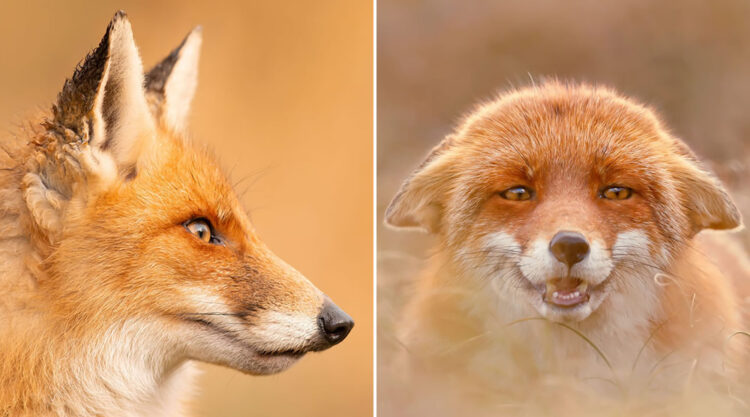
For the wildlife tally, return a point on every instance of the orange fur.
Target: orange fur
(650, 289)
(106, 295)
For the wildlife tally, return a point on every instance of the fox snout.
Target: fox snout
(260, 315)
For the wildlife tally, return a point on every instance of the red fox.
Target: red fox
(568, 221)
(125, 254)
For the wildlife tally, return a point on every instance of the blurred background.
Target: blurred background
(285, 100)
(689, 59)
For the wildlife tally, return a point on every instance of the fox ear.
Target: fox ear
(709, 205)
(104, 102)
(170, 85)
(420, 202)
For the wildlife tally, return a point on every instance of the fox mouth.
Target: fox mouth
(286, 355)
(566, 298)
(567, 292)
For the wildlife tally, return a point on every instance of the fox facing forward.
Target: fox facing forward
(569, 222)
(125, 253)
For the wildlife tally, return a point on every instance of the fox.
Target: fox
(126, 255)
(570, 236)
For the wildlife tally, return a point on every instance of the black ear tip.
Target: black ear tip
(118, 23)
(119, 15)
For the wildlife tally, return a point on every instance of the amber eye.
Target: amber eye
(201, 228)
(616, 193)
(518, 193)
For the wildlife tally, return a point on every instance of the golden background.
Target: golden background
(285, 99)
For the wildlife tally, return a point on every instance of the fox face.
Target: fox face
(135, 226)
(569, 201)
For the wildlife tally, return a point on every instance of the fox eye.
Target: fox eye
(518, 193)
(202, 229)
(616, 193)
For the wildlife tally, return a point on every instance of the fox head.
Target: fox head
(564, 198)
(133, 222)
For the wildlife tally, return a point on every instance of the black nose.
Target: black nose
(569, 247)
(334, 323)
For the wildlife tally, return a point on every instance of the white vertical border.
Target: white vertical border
(374, 208)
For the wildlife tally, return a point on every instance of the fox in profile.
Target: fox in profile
(125, 254)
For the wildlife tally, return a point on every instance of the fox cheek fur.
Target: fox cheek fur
(132, 253)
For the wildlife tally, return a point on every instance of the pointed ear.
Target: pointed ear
(104, 102)
(170, 85)
(708, 203)
(420, 202)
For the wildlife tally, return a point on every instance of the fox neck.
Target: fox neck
(135, 371)
(125, 370)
